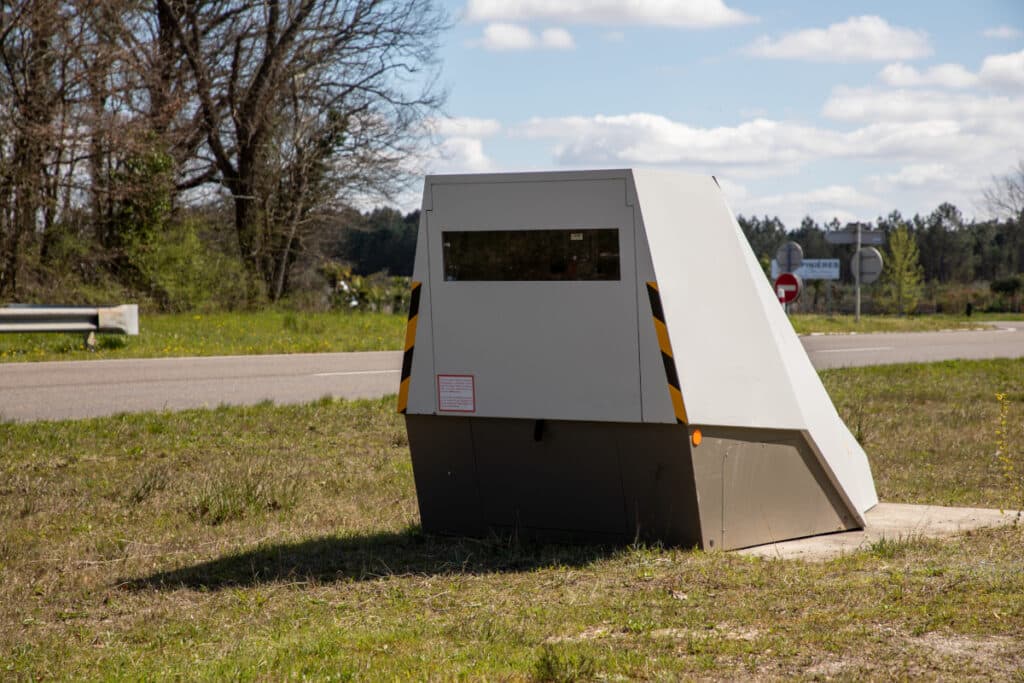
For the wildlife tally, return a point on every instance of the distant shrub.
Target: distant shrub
(379, 292)
(1008, 285)
(1007, 293)
(953, 297)
(182, 273)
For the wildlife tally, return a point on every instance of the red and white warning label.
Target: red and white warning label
(456, 393)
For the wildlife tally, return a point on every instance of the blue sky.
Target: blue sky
(799, 108)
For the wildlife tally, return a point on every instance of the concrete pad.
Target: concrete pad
(893, 521)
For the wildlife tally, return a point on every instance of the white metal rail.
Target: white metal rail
(88, 320)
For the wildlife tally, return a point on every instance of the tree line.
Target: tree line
(940, 254)
(173, 146)
(951, 248)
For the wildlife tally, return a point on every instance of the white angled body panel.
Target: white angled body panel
(729, 371)
(739, 361)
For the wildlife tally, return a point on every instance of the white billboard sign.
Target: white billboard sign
(813, 269)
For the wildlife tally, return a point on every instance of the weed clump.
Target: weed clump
(886, 548)
(234, 496)
(146, 482)
(561, 667)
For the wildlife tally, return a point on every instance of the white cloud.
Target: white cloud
(676, 13)
(461, 148)
(943, 75)
(997, 71)
(1003, 32)
(759, 147)
(507, 37)
(501, 37)
(1004, 69)
(465, 127)
(909, 140)
(858, 39)
(916, 175)
(462, 155)
(842, 202)
(557, 39)
(834, 195)
(973, 111)
(642, 138)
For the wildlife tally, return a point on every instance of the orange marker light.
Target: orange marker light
(696, 437)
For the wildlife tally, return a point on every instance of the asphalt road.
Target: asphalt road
(845, 350)
(77, 389)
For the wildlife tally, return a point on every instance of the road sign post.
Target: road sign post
(867, 266)
(789, 256)
(855, 235)
(870, 264)
(787, 289)
(856, 274)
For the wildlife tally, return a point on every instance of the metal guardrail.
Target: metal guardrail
(88, 320)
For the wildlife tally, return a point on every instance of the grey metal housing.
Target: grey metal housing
(571, 409)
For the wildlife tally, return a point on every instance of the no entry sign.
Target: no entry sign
(787, 288)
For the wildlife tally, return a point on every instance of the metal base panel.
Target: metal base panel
(617, 482)
(758, 486)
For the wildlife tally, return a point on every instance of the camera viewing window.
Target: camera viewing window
(531, 255)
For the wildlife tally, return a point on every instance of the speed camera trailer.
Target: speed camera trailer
(598, 356)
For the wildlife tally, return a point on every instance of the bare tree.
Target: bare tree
(1006, 196)
(135, 113)
(293, 184)
(28, 56)
(297, 95)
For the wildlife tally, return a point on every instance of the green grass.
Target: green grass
(116, 564)
(219, 334)
(814, 323)
(930, 429)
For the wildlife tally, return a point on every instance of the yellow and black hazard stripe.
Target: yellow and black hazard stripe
(410, 343)
(666, 352)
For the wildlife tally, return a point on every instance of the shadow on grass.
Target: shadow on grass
(372, 556)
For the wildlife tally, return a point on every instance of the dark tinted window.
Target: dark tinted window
(578, 254)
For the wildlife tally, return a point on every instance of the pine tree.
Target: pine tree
(903, 281)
